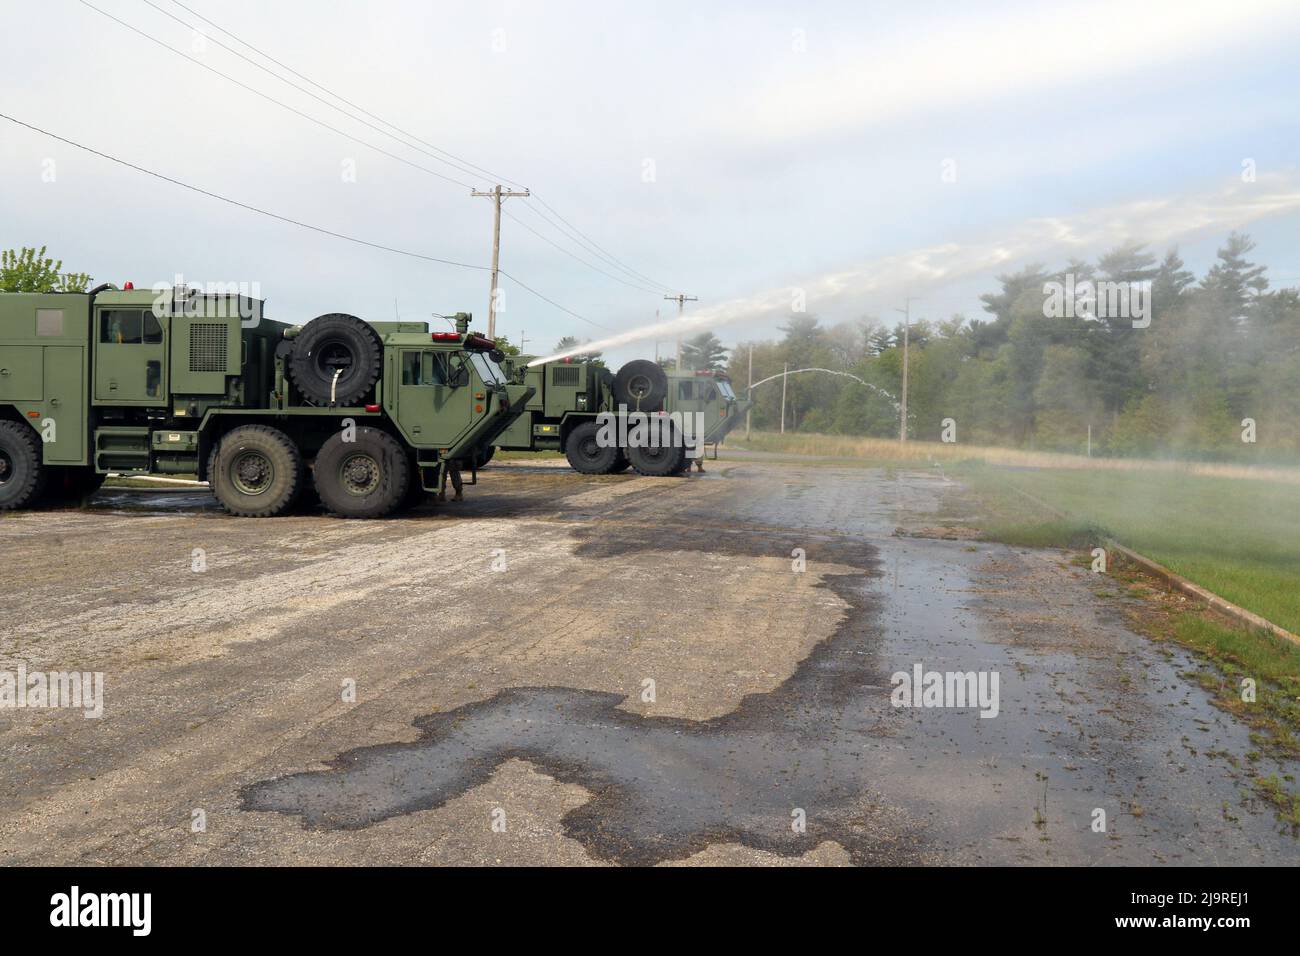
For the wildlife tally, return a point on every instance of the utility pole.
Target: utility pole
(907, 325)
(522, 340)
(681, 301)
(749, 393)
(785, 376)
(498, 195)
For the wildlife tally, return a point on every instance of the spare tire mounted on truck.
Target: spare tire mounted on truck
(641, 385)
(336, 359)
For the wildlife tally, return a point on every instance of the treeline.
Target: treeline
(1175, 373)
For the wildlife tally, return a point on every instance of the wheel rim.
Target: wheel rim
(589, 449)
(252, 473)
(359, 475)
(639, 386)
(6, 467)
(334, 356)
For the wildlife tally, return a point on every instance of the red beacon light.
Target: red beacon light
(128, 287)
(446, 336)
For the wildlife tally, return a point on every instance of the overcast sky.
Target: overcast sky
(731, 151)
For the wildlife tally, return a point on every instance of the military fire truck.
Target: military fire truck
(370, 416)
(570, 397)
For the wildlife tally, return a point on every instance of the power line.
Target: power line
(360, 109)
(597, 249)
(299, 223)
(571, 255)
(576, 235)
(272, 99)
(464, 168)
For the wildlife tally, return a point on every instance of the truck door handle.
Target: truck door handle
(54, 403)
(4, 371)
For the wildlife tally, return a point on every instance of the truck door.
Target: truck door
(64, 405)
(434, 399)
(130, 357)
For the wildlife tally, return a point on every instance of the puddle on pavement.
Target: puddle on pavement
(889, 785)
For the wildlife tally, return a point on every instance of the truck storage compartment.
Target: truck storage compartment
(122, 448)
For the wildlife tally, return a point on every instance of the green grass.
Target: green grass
(1240, 538)
(503, 455)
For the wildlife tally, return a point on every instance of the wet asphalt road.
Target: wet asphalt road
(565, 669)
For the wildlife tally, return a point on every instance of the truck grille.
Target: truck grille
(564, 375)
(207, 347)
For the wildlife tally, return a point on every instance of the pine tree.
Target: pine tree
(704, 351)
(1233, 282)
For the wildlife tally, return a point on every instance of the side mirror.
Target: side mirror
(459, 373)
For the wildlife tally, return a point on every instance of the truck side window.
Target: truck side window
(411, 368)
(122, 327)
(423, 368)
(684, 389)
(710, 393)
(152, 329)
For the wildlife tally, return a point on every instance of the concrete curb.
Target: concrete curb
(1177, 581)
(187, 482)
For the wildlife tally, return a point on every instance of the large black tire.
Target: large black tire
(415, 493)
(256, 472)
(659, 461)
(71, 484)
(22, 476)
(621, 463)
(641, 385)
(585, 455)
(364, 478)
(336, 342)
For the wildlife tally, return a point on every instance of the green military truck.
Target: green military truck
(571, 401)
(370, 416)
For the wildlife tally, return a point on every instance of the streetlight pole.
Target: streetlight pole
(749, 393)
(785, 377)
(907, 325)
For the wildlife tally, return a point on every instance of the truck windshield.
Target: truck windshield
(487, 369)
(725, 388)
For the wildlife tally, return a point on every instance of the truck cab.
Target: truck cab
(709, 394)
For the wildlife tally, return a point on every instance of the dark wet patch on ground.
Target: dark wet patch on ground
(662, 788)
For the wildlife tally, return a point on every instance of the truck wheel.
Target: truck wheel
(256, 472)
(22, 476)
(336, 343)
(415, 493)
(71, 484)
(657, 462)
(485, 456)
(641, 385)
(621, 462)
(364, 478)
(585, 454)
